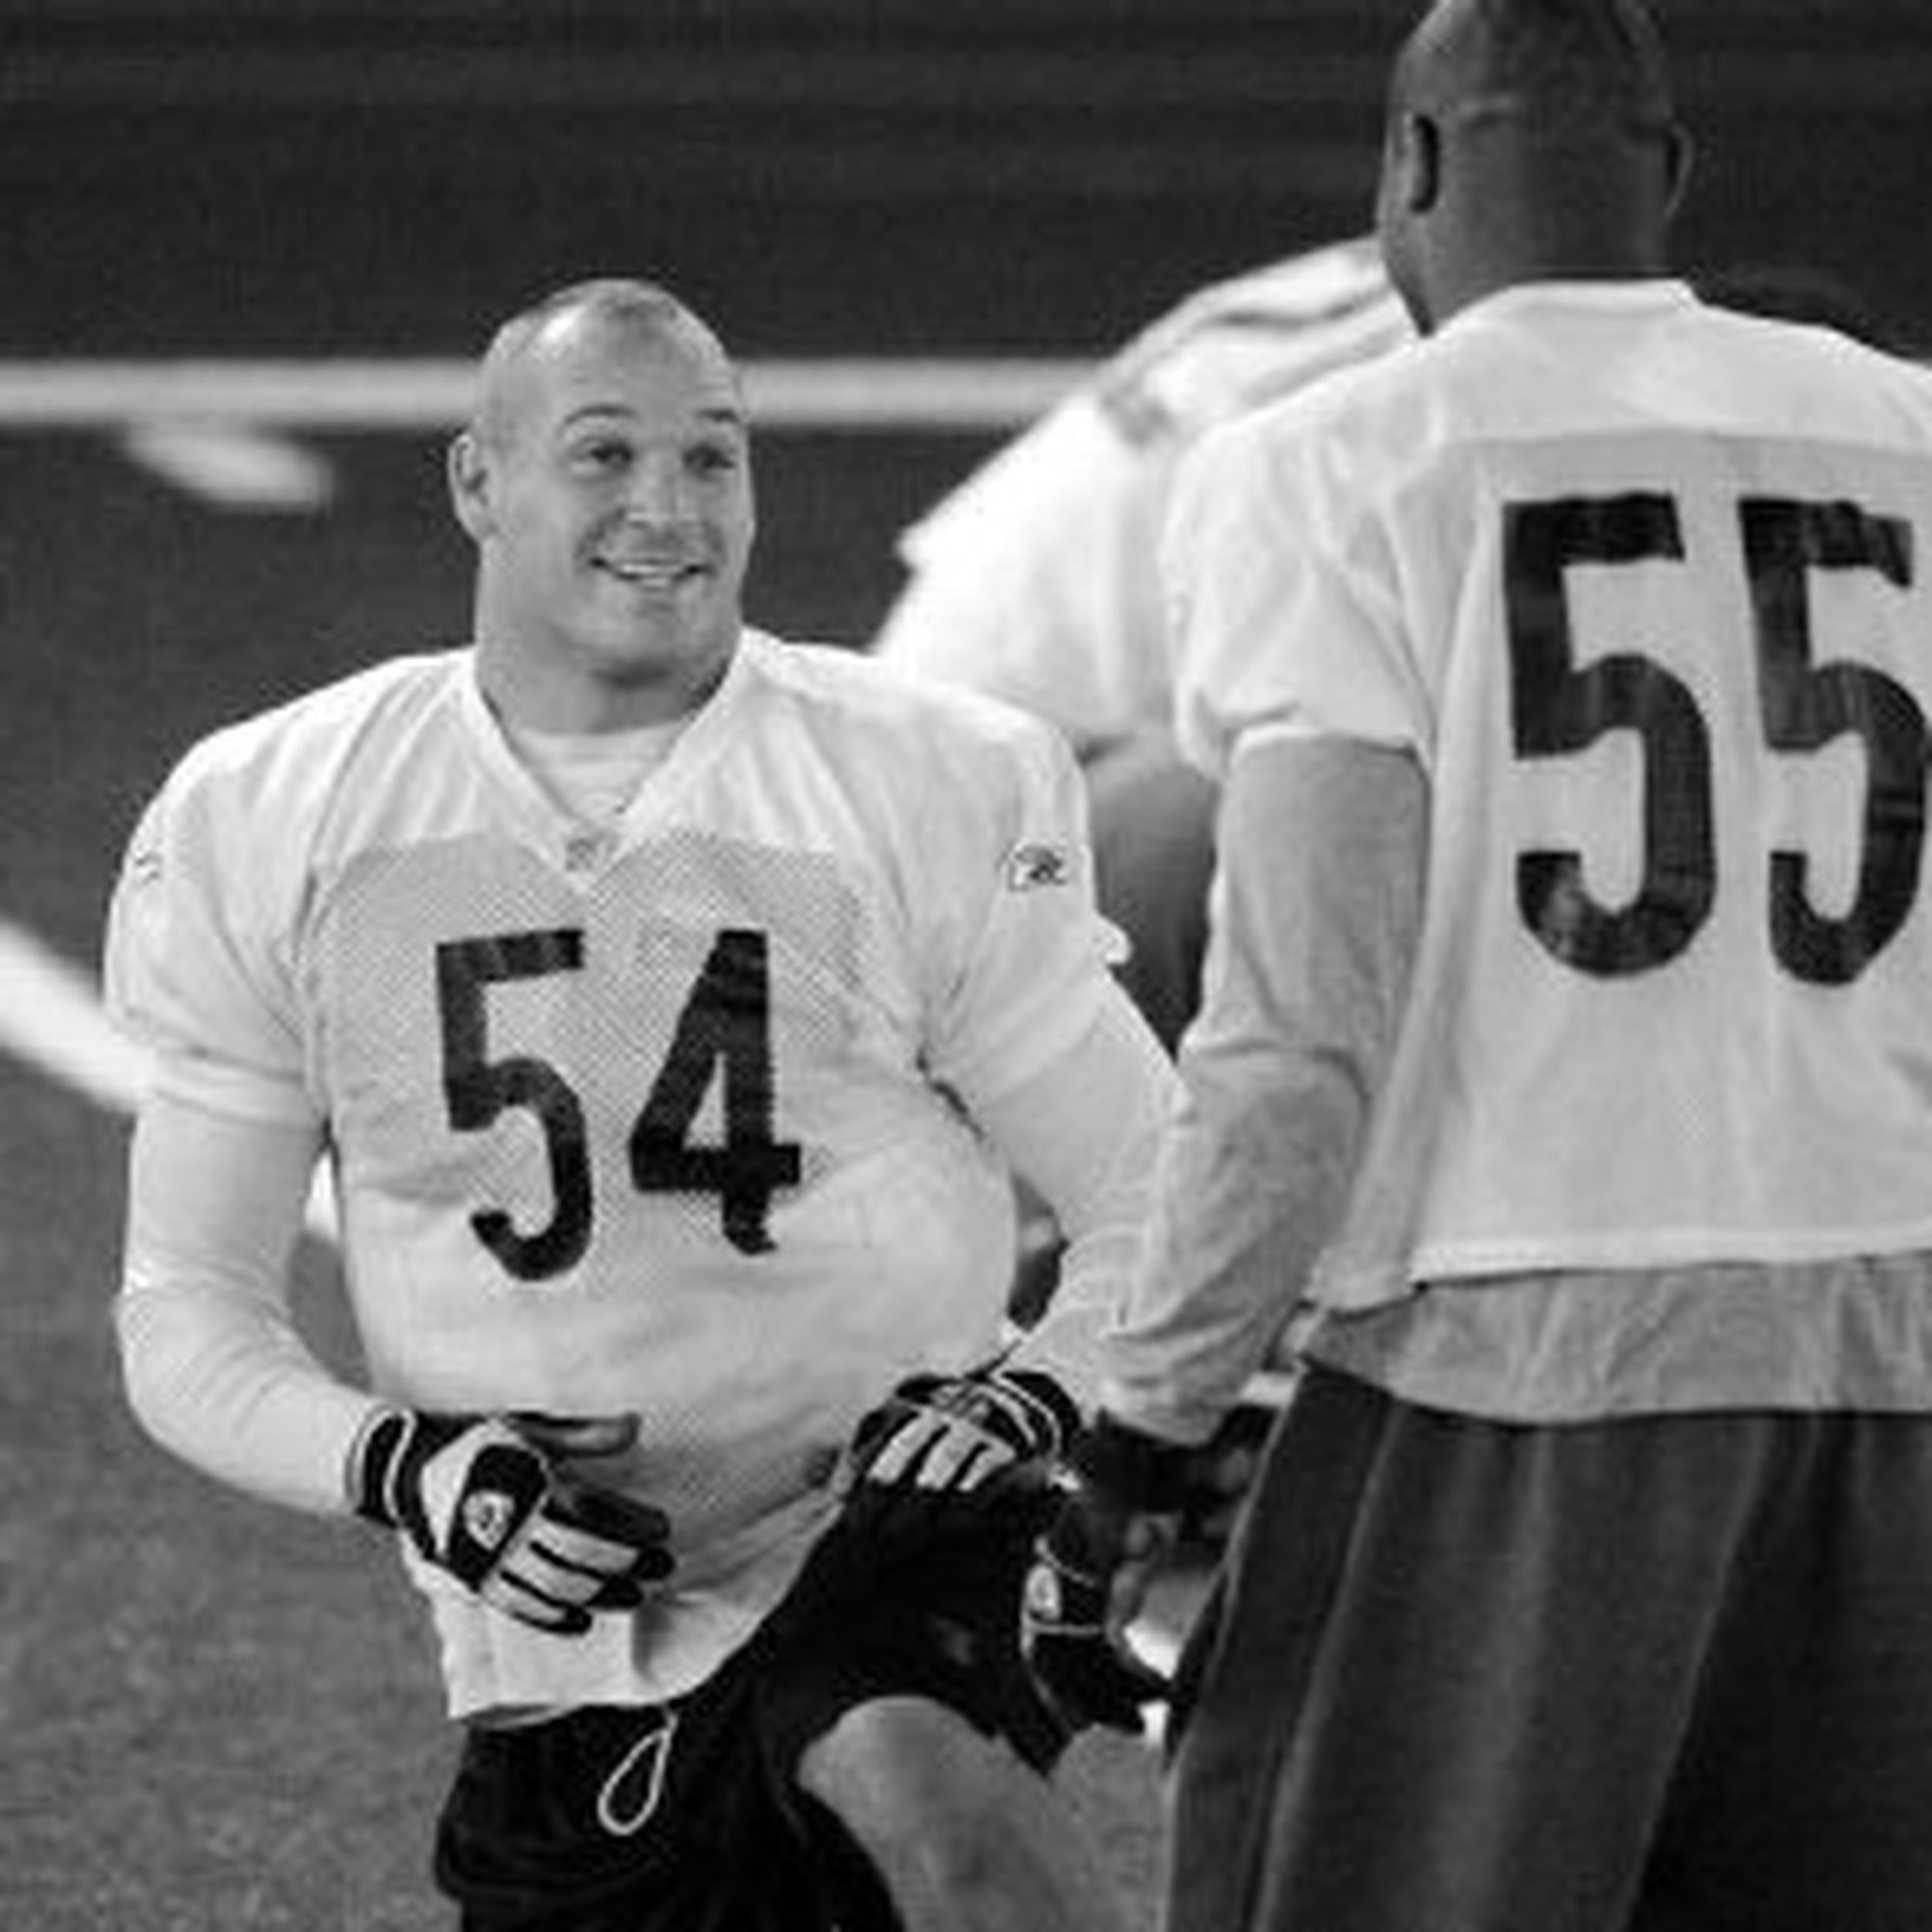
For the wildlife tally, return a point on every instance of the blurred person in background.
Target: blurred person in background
(1568, 1059)
(1799, 291)
(1036, 580)
(668, 1002)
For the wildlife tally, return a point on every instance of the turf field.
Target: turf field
(218, 1715)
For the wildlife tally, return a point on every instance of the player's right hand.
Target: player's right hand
(497, 1501)
(1118, 1511)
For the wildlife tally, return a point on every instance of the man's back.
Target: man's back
(1636, 580)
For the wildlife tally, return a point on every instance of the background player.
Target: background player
(1572, 1057)
(659, 993)
(1037, 580)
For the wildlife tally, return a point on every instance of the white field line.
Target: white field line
(51, 1018)
(238, 465)
(831, 393)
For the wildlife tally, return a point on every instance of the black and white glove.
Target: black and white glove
(977, 1435)
(492, 1500)
(1120, 1505)
(955, 1432)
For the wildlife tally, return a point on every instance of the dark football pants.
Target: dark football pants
(687, 1816)
(1666, 1674)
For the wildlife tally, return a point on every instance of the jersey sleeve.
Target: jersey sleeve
(196, 966)
(1284, 602)
(1019, 957)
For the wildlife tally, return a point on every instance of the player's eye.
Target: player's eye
(603, 455)
(713, 459)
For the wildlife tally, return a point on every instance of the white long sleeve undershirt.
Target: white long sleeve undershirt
(1322, 845)
(1085, 1134)
(215, 1370)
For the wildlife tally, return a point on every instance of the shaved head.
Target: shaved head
(604, 307)
(1590, 67)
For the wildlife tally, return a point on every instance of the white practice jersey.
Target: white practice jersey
(663, 1118)
(1037, 580)
(1645, 586)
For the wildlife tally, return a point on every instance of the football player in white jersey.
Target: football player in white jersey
(1037, 580)
(1572, 1060)
(666, 1000)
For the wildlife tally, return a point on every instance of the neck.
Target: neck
(571, 699)
(1517, 206)
(1468, 275)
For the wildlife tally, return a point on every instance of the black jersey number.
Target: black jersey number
(724, 1030)
(1558, 708)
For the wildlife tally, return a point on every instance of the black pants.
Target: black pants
(1664, 1671)
(687, 1816)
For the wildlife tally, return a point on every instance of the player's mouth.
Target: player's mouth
(658, 575)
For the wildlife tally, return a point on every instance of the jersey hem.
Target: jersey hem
(1374, 1286)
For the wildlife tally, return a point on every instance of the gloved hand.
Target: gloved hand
(1120, 1506)
(490, 1499)
(956, 1432)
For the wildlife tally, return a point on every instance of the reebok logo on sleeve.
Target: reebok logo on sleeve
(1029, 868)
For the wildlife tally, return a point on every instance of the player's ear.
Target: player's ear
(1677, 163)
(1417, 162)
(469, 474)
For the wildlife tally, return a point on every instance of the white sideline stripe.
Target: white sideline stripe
(853, 393)
(238, 465)
(51, 1018)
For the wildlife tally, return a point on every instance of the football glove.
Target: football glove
(953, 1433)
(488, 1499)
(1120, 1500)
(968, 1442)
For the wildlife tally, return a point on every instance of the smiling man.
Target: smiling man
(607, 480)
(669, 1001)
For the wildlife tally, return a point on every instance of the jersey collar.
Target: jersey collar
(541, 822)
(1645, 295)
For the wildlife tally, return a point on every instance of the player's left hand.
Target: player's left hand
(954, 1436)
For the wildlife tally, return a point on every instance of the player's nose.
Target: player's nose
(655, 492)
